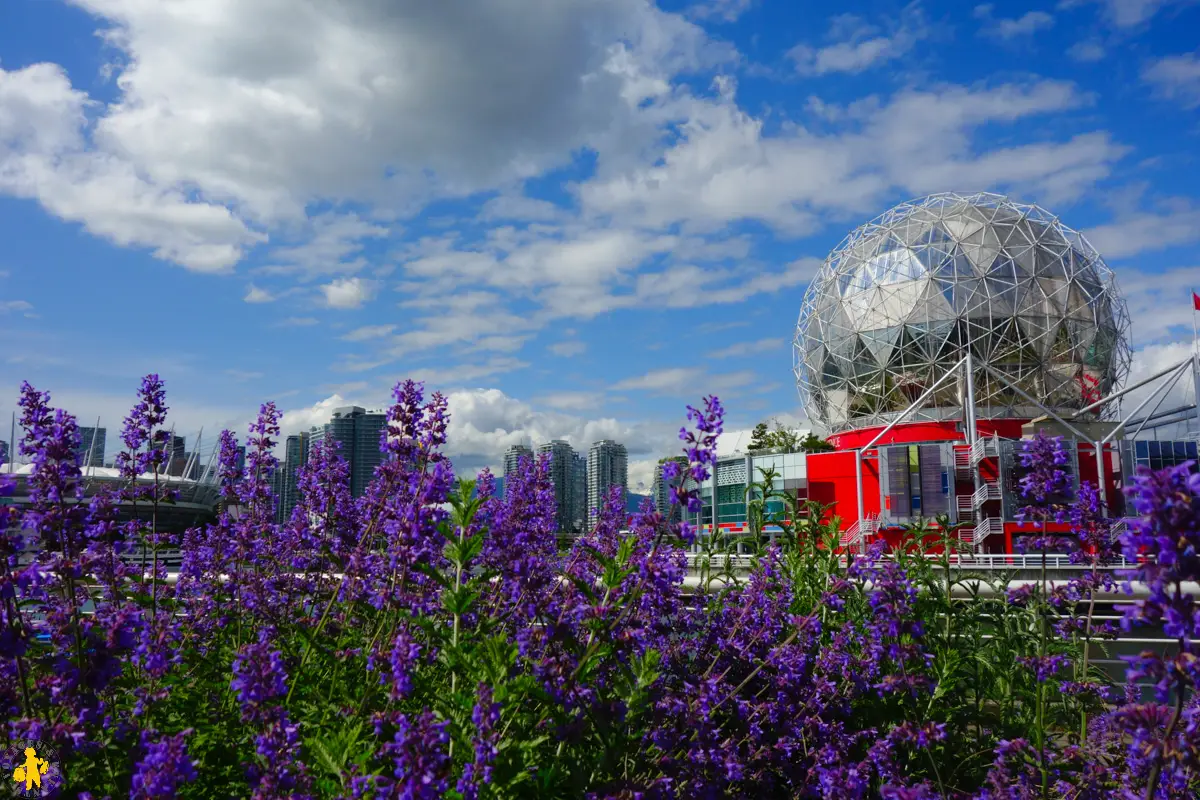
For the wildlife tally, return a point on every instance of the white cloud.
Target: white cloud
(724, 10)
(298, 322)
(311, 100)
(1149, 360)
(1124, 13)
(368, 332)
(1176, 78)
(1147, 231)
(203, 149)
(571, 401)
(857, 45)
(723, 168)
(256, 295)
(1086, 52)
(1008, 28)
(687, 382)
(45, 156)
(10, 306)
(243, 375)
(1160, 303)
(566, 349)
(348, 292)
(762, 347)
(467, 374)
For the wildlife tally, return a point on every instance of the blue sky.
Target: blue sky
(573, 216)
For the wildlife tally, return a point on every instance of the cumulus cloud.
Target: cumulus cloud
(1176, 78)
(16, 306)
(723, 168)
(721, 10)
(368, 332)
(1130, 234)
(348, 292)
(856, 45)
(758, 348)
(1125, 13)
(1008, 28)
(686, 381)
(572, 347)
(1086, 52)
(256, 295)
(46, 156)
(1160, 303)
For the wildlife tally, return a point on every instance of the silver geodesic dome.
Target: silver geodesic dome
(899, 301)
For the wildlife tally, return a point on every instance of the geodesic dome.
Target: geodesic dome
(900, 300)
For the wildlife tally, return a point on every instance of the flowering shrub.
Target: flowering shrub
(430, 639)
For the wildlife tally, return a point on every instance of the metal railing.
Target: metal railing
(856, 534)
(988, 526)
(985, 447)
(987, 491)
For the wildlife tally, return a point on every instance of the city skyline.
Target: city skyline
(576, 262)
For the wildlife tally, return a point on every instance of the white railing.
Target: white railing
(985, 447)
(1033, 561)
(986, 491)
(965, 504)
(986, 527)
(857, 533)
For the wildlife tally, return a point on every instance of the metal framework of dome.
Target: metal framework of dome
(900, 300)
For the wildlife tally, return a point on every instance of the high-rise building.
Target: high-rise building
(241, 458)
(295, 455)
(662, 492)
(607, 466)
(91, 446)
(579, 515)
(360, 434)
(3, 452)
(563, 459)
(177, 459)
(512, 461)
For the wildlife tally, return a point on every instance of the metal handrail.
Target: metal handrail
(987, 491)
(986, 527)
(985, 447)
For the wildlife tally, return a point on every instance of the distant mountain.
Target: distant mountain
(632, 501)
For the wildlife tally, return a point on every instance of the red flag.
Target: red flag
(1195, 300)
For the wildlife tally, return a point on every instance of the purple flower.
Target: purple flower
(486, 718)
(164, 765)
(258, 676)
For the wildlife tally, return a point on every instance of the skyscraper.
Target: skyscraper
(512, 461)
(295, 455)
(359, 432)
(607, 466)
(579, 515)
(3, 452)
(91, 440)
(563, 460)
(662, 490)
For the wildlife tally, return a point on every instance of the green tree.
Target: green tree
(815, 444)
(760, 438)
